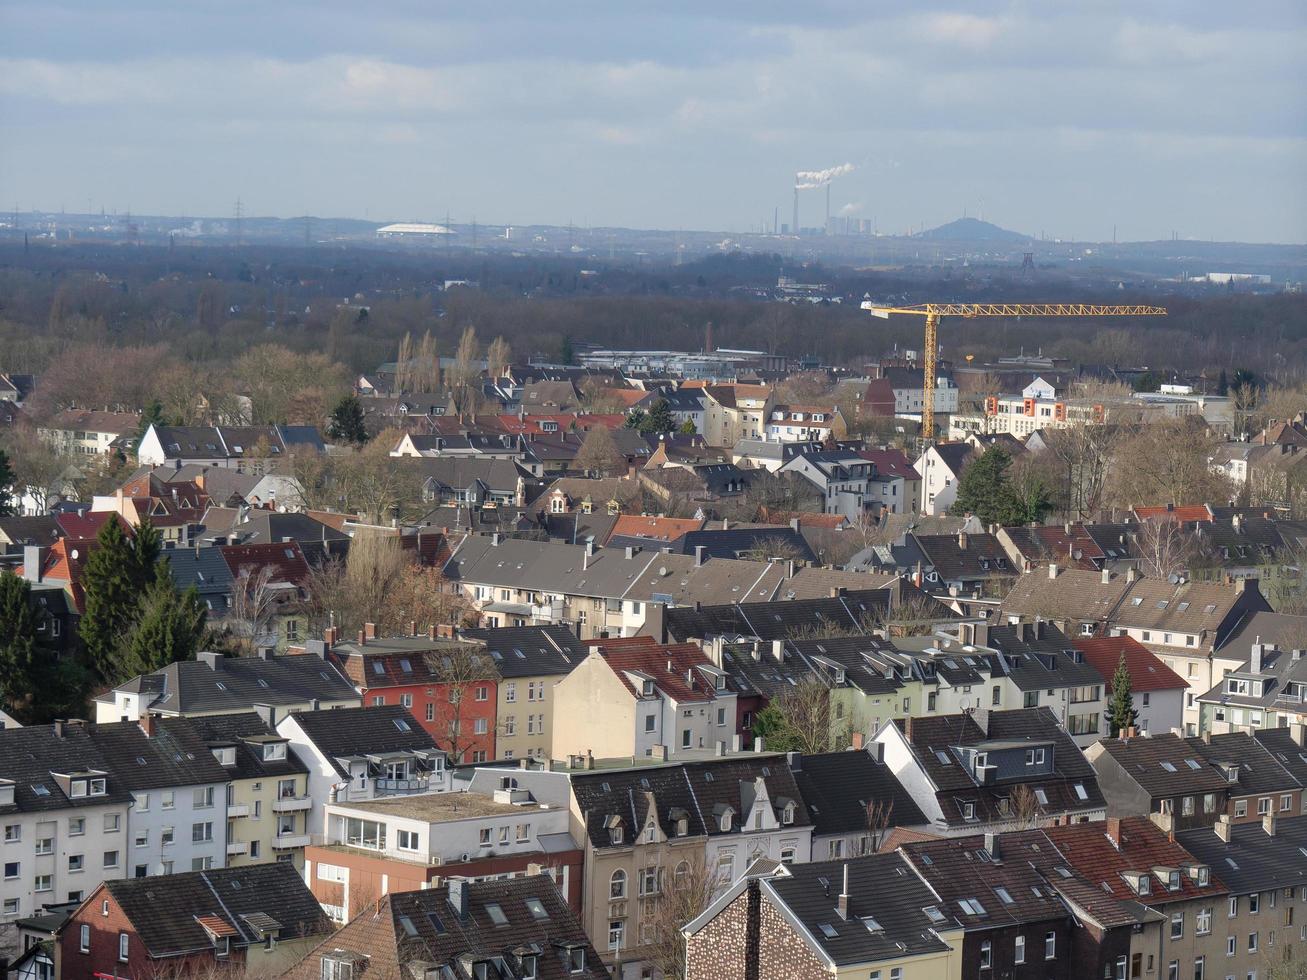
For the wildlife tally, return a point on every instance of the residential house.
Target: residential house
(64, 815)
(178, 816)
(964, 563)
(531, 660)
(280, 572)
(651, 829)
(841, 476)
(514, 928)
(1257, 924)
(1263, 682)
(909, 392)
(450, 688)
(1081, 603)
(734, 412)
(1013, 924)
(1162, 777)
(78, 432)
(896, 485)
(212, 684)
(372, 848)
(1158, 692)
(854, 800)
(267, 796)
(805, 423)
(253, 448)
(1067, 545)
(637, 698)
(175, 509)
(941, 467)
(257, 920)
(869, 917)
(991, 769)
(356, 754)
(770, 454)
(1137, 863)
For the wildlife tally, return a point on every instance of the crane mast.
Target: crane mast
(933, 311)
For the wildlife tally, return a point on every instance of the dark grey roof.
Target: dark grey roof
(780, 620)
(1161, 766)
(207, 570)
(29, 756)
(1253, 861)
(1259, 770)
(1280, 743)
(237, 730)
(360, 731)
(782, 542)
(1040, 656)
(462, 472)
(271, 527)
(531, 651)
(960, 557)
(838, 788)
(164, 910)
(881, 887)
(175, 755)
(235, 683)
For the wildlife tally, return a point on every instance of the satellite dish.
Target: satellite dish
(662, 571)
(73, 554)
(1173, 578)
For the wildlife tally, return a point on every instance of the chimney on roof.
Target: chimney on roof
(843, 906)
(212, 659)
(1222, 827)
(149, 723)
(794, 524)
(362, 639)
(1131, 574)
(962, 540)
(458, 896)
(494, 540)
(1207, 737)
(758, 744)
(431, 632)
(856, 741)
(1113, 831)
(58, 728)
(992, 846)
(1268, 824)
(370, 630)
(778, 650)
(1256, 654)
(698, 556)
(1052, 569)
(1106, 576)
(1298, 732)
(34, 562)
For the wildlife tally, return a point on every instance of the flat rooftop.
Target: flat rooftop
(441, 807)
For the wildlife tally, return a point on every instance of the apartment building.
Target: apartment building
(735, 412)
(65, 817)
(78, 432)
(941, 468)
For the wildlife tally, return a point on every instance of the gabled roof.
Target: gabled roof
(1039, 655)
(1185, 607)
(1253, 860)
(531, 651)
(1164, 765)
(1068, 545)
(1259, 769)
(882, 891)
(118, 423)
(957, 557)
(839, 787)
(285, 558)
(238, 730)
(780, 620)
(657, 528)
(1073, 594)
(400, 661)
(181, 913)
(408, 933)
(30, 756)
(175, 755)
(673, 668)
(362, 731)
(1142, 846)
(1147, 671)
(235, 683)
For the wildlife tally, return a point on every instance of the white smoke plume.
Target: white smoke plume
(806, 180)
(853, 207)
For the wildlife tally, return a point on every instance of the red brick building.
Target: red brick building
(416, 672)
(260, 916)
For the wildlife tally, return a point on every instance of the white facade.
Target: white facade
(939, 484)
(176, 829)
(910, 401)
(59, 855)
(761, 834)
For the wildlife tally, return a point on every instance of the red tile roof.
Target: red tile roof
(1184, 513)
(891, 462)
(1143, 846)
(659, 528)
(642, 655)
(64, 563)
(86, 526)
(283, 556)
(1147, 672)
(832, 521)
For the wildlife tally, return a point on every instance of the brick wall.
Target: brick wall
(750, 940)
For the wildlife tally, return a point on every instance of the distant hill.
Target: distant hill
(973, 230)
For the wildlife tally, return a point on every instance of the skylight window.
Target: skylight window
(1168, 766)
(402, 725)
(405, 666)
(1193, 764)
(828, 930)
(933, 913)
(536, 908)
(972, 906)
(409, 928)
(378, 667)
(1005, 895)
(871, 924)
(496, 914)
(1042, 797)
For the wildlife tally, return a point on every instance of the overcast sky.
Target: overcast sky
(1060, 117)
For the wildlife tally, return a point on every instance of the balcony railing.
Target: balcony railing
(395, 787)
(291, 804)
(284, 841)
(237, 810)
(237, 847)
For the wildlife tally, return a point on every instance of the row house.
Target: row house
(695, 826)
(450, 687)
(371, 849)
(258, 920)
(1264, 679)
(514, 928)
(1158, 692)
(991, 770)
(213, 684)
(865, 918)
(359, 754)
(637, 698)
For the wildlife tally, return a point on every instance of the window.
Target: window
(650, 721)
(1286, 803)
(1241, 808)
(203, 798)
(1234, 906)
(1252, 942)
(1231, 946)
(615, 930)
(1050, 945)
(13, 832)
(45, 845)
(166, 837)
(1263, 806)
(1203, 921)
(76, 862)
(166, 799)
(122, 947)
(481, 726)
(1177, 925)
(83, 938)
(617, 884)
(406, 700)
(406, 840)
(111, 859)
(1254, 903)
(333, 969)
(378, 700)
(44, 883)
(202, 832)
(1019, 950)
(510, 692)
(1173, 970)
(1200, 968)
(11, 869)
(986, 955)
(431, 711)
(110, 823)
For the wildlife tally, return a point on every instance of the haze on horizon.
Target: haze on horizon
(1068, 119)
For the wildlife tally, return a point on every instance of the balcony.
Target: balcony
(286, 841)
(291, 804)
(237, 847)
(400, 787)
(237, 810)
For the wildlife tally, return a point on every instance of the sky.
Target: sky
(1068, 119)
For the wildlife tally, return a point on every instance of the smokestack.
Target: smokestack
(794, 228)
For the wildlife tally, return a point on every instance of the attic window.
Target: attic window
(828, 930)
(1042, 797)
(405, 666)
(1080, 791)
(496, 914)
(972, 906)
(1137, 601)
(536, 908)
(377, 667)
(871, 924)
(1005, 895)
(934, 914)
(1162, 603)
(402, 725)
(1209, 608)
(1168, 766)
(220, 685)
(409, 928)
(1192, 764)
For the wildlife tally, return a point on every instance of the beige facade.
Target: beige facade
(525, 716)
(595, 713)
(267, 820)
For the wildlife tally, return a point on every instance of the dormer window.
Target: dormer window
(726, 819)
(226, 755)
(647, 689)
(274, 751)
(787, 814)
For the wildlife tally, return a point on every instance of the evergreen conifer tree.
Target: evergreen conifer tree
(347, 422)
(6, 482)
(659, 419)
(17, 642)
(169, 627)
(1121, 712)
(985, 490)
(112, 586)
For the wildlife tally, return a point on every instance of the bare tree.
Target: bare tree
(1165, 547)
(690, 890)
(1167, 463)
(809, 716)
(458, 670)
(1082, 455)
(599, 456)
(498, 356)
(464, 374)
(880, 818)
(254, 604)
(1023, 806)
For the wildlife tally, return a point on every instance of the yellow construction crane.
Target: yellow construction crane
(933, 311)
